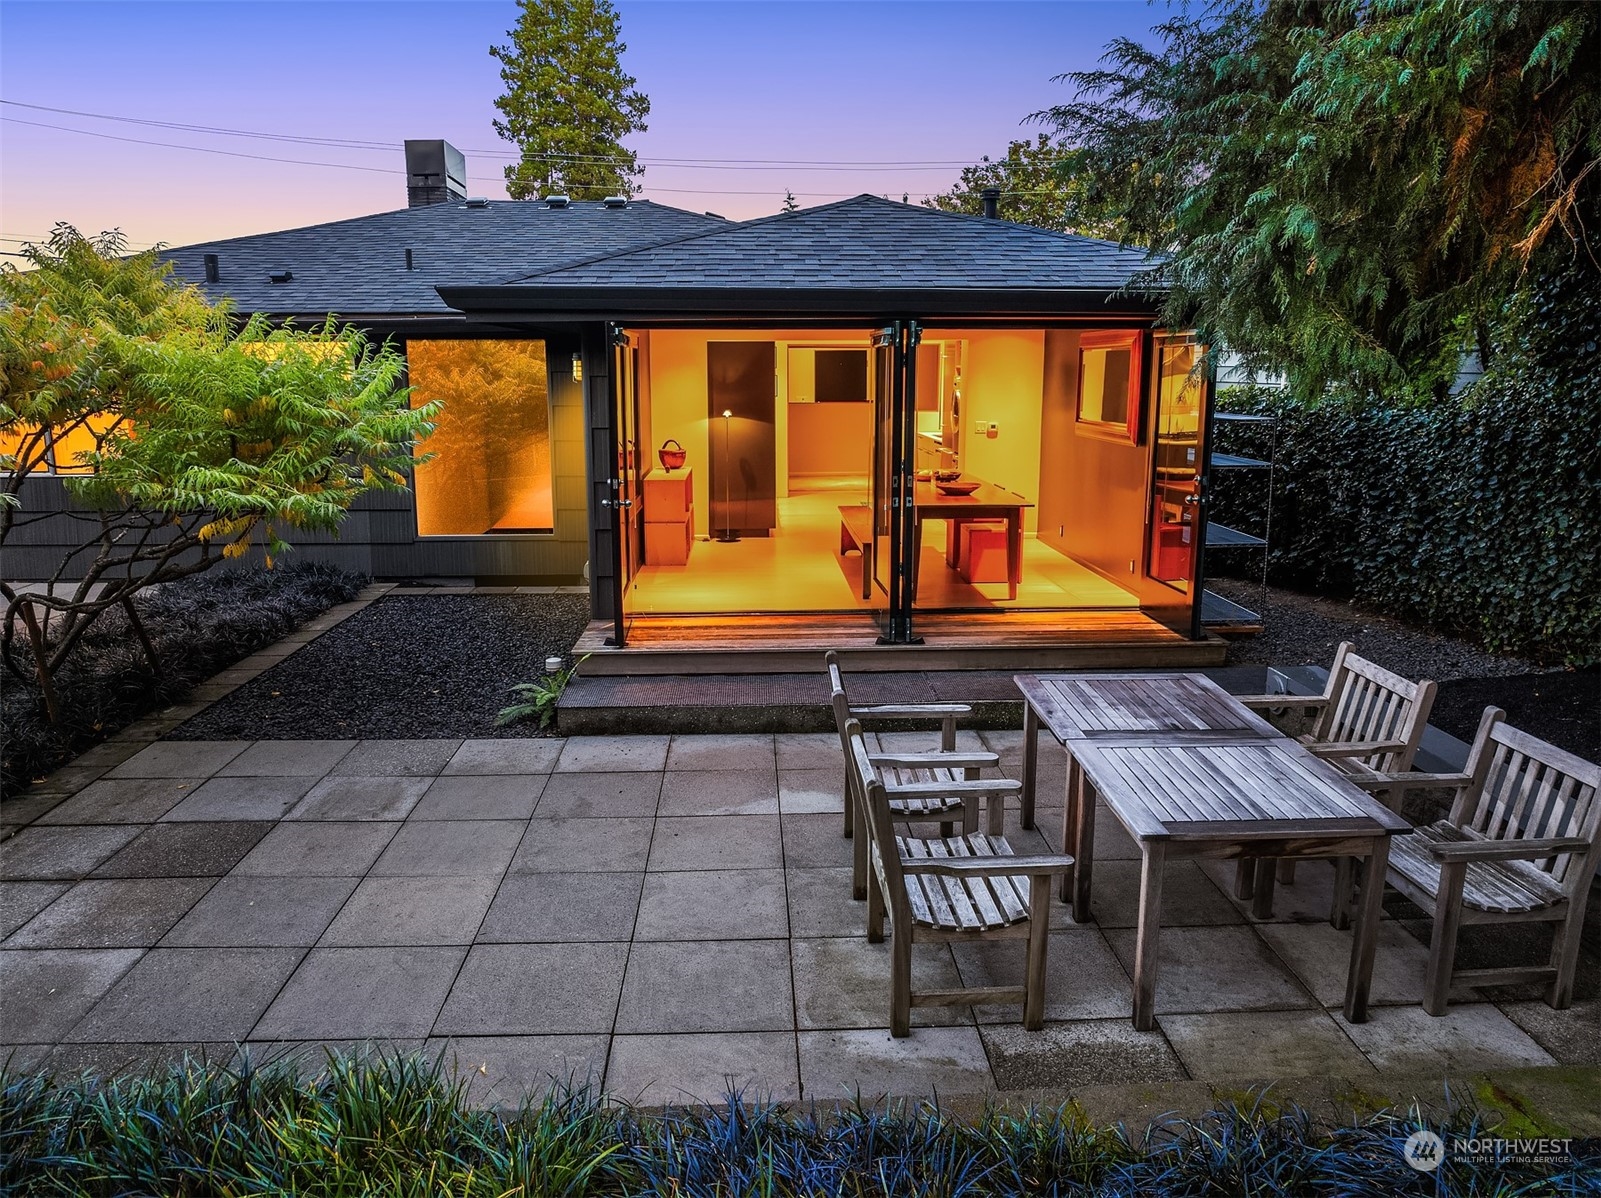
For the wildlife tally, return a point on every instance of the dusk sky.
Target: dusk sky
(935, 84)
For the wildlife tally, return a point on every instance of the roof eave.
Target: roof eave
(746, 302)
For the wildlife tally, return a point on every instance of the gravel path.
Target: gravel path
(406, 666)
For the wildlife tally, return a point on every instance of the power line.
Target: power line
(510, 155)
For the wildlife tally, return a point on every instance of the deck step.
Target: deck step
(797, 701)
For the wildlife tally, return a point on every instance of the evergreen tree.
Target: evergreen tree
(1040, 185)
(568, 102)
(1351, 190)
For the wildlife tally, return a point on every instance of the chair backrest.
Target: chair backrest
(880, 829)
(1521, 788)
(1369, 703)
(842, 718)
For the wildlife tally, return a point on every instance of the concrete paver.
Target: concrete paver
(671, 914)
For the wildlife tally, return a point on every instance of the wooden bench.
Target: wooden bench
(1369, 723)
(1521, 844)
(856, 533)
(941, 784)
(971, 887)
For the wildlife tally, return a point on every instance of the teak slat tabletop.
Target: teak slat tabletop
(1191, 772)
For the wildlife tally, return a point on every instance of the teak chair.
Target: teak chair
(963, 888)
(921, 783)
(921, 786)
(1520, 845)
(1369, 724)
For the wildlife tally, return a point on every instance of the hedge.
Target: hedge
(1477, 515)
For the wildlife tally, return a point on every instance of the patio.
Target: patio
(661, 914)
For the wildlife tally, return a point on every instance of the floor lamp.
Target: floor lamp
(728, 536)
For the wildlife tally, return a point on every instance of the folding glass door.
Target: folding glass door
(894, 364)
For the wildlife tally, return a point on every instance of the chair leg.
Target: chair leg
(850, 807)
(947, 829)
(900, 983)
(860, 868)
(1344, 887)
(1039, 929)
(1287, 871)
(1565, 956)
(1442, 943)
(875, 910)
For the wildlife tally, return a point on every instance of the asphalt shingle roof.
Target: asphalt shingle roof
(865, 243)
(358, 266)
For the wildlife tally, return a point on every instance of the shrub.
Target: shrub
(1476, 515)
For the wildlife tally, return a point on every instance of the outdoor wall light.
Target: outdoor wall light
(578, 368)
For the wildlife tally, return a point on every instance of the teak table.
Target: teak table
(1191, 773)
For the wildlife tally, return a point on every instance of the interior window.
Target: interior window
(491, 468)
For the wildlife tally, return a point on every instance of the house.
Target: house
(824, 384)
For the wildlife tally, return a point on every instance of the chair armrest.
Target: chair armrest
(1270, 701)
(1371, 779)
(1354, 748)
(1506, 850)
(934, 759)
(978, 788)
(913, 709)
(988, 867)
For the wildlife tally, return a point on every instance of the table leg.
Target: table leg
(1083, 840)
(1145, 942)
(1031, 758)
(1262, 895)
(1014, 553)
(1370, 911)
(917, 549)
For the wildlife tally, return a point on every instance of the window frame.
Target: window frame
(1127, 430)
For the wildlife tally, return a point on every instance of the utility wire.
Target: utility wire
(511, 155)
(380, 170)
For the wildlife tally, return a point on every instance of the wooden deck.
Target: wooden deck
(765, 643)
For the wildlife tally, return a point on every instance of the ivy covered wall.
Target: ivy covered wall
(1477, 515)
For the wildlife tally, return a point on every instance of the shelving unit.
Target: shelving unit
(1217, 613)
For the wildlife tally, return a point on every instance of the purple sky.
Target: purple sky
(938, 83)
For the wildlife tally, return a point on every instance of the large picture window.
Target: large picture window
(491, 470)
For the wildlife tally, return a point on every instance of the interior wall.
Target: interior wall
(1002, 384)
(1093, 488)
(830, 438)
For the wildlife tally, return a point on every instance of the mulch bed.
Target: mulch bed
(1561, 706)
(406, 666)
(199, 625)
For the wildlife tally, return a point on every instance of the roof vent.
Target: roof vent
(279, 276)
(716, 215)
(212, 274)
(476, 202)
(615, 201)
(557, 201)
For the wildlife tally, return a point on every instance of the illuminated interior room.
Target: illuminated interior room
(753, 520)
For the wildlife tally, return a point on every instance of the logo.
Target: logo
(1424, 1151)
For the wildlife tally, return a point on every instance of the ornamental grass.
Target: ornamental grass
(402, 1125)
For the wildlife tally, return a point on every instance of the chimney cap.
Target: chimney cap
(557, 200)
(990, 197)
(615, 201)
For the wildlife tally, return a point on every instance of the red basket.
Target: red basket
(672, 459)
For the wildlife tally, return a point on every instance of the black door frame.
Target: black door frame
(894, 514)
(622, 482)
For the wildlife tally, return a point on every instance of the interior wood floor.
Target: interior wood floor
(799, 569)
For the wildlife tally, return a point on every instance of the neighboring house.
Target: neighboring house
(814, 368)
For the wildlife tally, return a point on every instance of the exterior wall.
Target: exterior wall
(379, 536)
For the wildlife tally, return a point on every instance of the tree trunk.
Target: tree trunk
(144, 637)
(47, 683)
